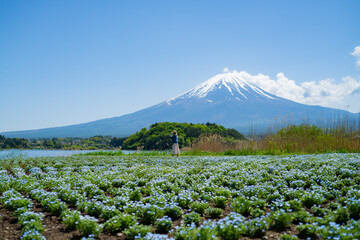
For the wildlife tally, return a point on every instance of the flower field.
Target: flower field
(149, 197)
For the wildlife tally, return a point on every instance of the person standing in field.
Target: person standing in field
(175, 143)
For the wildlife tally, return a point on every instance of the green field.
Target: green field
(160, 197)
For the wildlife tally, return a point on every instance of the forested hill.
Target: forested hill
(158, 135)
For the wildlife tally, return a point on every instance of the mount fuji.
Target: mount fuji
(228, 99)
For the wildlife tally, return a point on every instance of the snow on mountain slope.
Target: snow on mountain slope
(226, 86)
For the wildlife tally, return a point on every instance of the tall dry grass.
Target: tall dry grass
(340, 137)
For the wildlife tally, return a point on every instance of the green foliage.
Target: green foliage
(163, 225)
(268, 192)
(354, 209)
(300, 217)
(256, 228)
(119, 223)
(199, 207)
(136, 230)
(135, 195)
(286, 236)
(241, 205)
(158, 135)
(32, 225)
(92, 143)
(149, 213)
(70, 218)
(173, 211)
(192, 217)
(341, 215)
(312, 199)
(307, 231)
(6, 143)
(214, 212)
(230, 231)
(88, 226)
(53, 206)
(189, 233)
(220, 201)
(295, 205)
(280, 220)
(257, 212)
(32, 235)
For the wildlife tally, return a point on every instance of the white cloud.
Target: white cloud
(326, 92)
(356, 54)
(226, 70)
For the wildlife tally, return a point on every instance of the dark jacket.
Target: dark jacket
(174, 138)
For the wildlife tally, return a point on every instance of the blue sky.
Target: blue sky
(68, 62)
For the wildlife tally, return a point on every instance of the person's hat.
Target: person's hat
(174, 131)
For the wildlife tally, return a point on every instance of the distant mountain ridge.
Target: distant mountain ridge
(227, 99)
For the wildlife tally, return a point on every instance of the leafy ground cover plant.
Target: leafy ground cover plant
(137, 231)
(214, 212)
(163, 225)
(220, 201)
(119, 223)
(192, 217)
(70, 218)
(204, 197)
(199, 207)
(89, 227)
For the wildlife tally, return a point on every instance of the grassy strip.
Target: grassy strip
(102, 153)
(248, 152)
(241, 152)
(120, 153)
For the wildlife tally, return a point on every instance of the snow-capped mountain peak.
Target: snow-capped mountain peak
(230, 85)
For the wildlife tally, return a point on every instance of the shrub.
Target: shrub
(163, 225)
(280, 220)
(135, 195)
(318, 211)
(29, 216)
(241, 205)
(257, 212)
(307, 231)
(220, 201)
(354, 209)
(15, 202)
(183, 201)
(88, 226)
(70, 218)
(54, 206)
(149, 214)
(32, 225)
(300, 217)
(20, 211)
(109, 212)
(94, 208)
(203, 233)
(119, 223)
(333, 205)
(288, 237)
(214, 212)
(230, 231)
(199, 207)
(256, 228)
(32, 235)
(295, 205)
(137, 230)
(192, 217)
(311, 199)
(173, 211)
(341, 215)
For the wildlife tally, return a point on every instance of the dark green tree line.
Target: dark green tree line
(157, 136)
